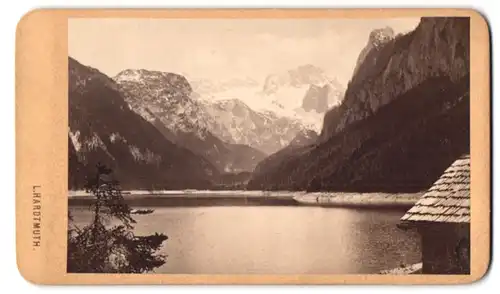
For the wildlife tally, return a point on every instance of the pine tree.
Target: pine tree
(96, 248)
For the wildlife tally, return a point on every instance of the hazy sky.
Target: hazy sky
(224, 48)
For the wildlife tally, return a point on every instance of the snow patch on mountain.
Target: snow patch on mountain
(130, 76)
(146, 156)
(92, 143)
(75, 136)
(116, 137)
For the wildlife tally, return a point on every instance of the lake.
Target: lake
(276, 239)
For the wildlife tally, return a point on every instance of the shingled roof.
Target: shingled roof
(448, 200)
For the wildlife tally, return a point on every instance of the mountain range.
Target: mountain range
(224, 136)
(102, 128)
(237, 123)
(164, 100)
(292, 94)
(230, 134)
(403, 120)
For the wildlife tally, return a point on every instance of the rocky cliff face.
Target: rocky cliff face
(162, 96)
(165, 100)
(102, 128)
(304, 138)
(322, 98)
(438, 47)
(378, 38)
(403, 121)
(303, 93)
(316, 99)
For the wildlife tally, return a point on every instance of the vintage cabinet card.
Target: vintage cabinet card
(263, 146)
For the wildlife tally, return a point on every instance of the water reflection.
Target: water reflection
(277, 239)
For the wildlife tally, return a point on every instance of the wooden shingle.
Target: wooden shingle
(448, 200)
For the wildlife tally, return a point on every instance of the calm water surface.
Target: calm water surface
(276, 239)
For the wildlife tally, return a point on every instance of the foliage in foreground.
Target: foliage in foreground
(96, 248)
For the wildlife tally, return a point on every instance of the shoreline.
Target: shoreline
(257, 198)
(359, 200)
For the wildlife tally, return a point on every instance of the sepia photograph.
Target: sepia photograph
(294, 146)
